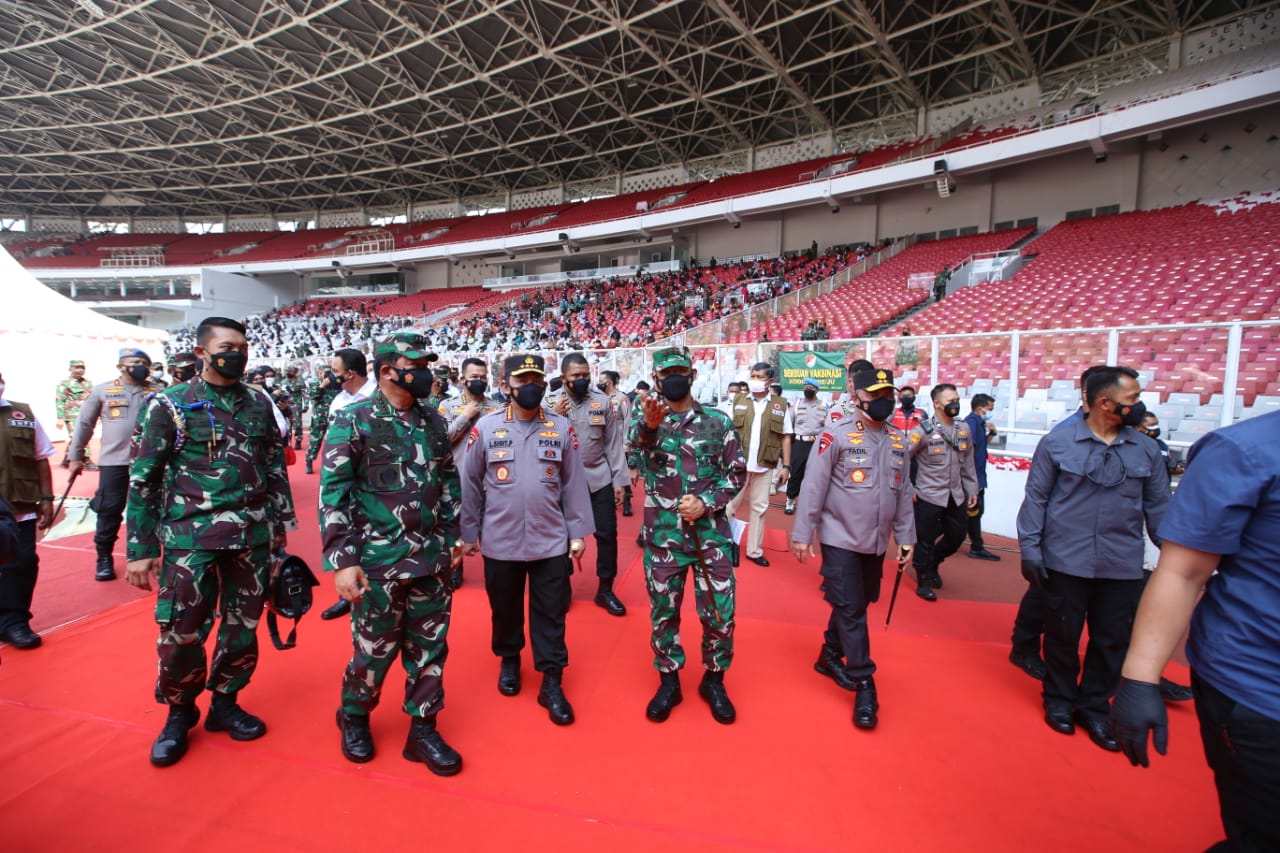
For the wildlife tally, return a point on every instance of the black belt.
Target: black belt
(806, 438)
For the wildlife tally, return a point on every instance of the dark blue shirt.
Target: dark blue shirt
(1228, 503)
(1086, 502)
(978, 430)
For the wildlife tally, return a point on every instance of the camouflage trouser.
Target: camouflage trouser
(192, 584)
(408, 616)
(295, 427)
(665, 572)
(319, 425)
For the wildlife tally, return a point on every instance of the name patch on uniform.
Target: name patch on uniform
(21, 421)
(858, 476)
(502, 474)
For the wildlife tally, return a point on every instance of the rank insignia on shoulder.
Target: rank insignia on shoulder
(835, 416)
(824, 441)
(861, 427)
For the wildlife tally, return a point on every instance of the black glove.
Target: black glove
(1138, 708)
(1035, 572)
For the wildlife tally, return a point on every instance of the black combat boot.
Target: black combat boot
(831, 664)
(426, 745)
(310, 470)
(626, 506)
(226, 716)
(171, 745)
(509, 676)
(865, 704)
(924, 588)
(551, 697)
(606, 599)
(935, 580)
(712, 691)
(106, 569)
(357, 740)
(667, 697)
(455, 578)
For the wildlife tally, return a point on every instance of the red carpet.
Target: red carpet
(961, 760)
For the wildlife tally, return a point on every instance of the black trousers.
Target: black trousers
(939, 533)
(799, 461)
(108, 502)
(1108, 606)
(850, 582)
(549, 591)
(974, 517)
(606, 517)
(18, 578)
(1243, 750)
(1028, 625)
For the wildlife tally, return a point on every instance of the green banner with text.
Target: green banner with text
(827, 368)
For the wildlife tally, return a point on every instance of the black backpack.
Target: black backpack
(290, 596)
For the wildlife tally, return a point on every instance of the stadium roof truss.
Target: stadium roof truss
(207, 108)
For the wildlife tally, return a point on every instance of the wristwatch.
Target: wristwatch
(788, 467)
(48, 498)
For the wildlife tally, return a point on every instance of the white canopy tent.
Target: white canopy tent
(41, 331)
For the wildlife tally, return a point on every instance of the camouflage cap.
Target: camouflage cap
(672, 357)
(873, 380)
(411, 345)
(183, 359)
(75, 362)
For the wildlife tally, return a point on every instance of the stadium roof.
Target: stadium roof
(203, 108)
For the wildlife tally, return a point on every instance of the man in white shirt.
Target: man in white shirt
(350, 366)
(763, 422)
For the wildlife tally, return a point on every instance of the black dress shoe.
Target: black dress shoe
(357, 740)
(341, 607)
(171, 745)
(509, 676)
(1060, 722)
(925, 591)
(21, 637)
(1099, 732)
(935, 580)
(1171, 691)
(226, 716)
(831, 665)
(606, 599)
(984, 554)
(713, 693)
(762, 560)
(455, 579)
(865, 705)
(426, 745)
(1030, 664)
(626, 509)
(667, 697)
(310, 470)
(106, 570)
(552, 697)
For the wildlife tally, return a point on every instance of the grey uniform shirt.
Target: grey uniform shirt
(524, 488)
(460, 424)
(857, 489)
(808, 417)
(1086, 502)
(944, 463)
(601, 436)
(117, 404)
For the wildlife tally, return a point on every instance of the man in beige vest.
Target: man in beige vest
(763, 422)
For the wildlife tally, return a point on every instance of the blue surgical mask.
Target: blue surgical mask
(987, 416)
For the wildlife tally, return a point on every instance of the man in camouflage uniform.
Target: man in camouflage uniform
(461, 414)
(182, 367)
(68, 399)
(320, 392)
(692, 464)
(208, 500)
(389, 495)
(297, 391)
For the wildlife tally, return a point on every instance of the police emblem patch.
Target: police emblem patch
(858, 476)
(502, 474)
(824, 441)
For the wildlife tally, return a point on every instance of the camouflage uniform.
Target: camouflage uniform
(690, 453)
(299, 394)
(389, 496)
(208, 488)
(68, 398)
(320, 396)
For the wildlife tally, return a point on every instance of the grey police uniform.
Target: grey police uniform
(460, 425)
(601, 435)
(117, 404)
(857, 491)
(524, 496)
(945, 479)
(808, 419)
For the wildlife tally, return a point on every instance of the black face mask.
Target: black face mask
(1154, 432)
(1131, 416)
(229, 364)
(138, 372)
(951, 410)
(333, 379)
(477, 387)
(579, 387)
(417, 381)
(183, 374)
(675, 387)
(880, 409)
(528, 396)
(810, 393)
(444, 384)
(908, 403)
(602, 388)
